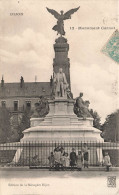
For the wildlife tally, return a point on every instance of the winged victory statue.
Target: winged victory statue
(60, 19)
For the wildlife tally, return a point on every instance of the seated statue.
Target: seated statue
(60, 84)
(81, 107)
(41, 108)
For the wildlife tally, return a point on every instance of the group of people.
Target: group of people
(61, 159)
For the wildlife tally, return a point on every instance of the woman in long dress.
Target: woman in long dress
(79, 161)
(57, 158)
(107, 162)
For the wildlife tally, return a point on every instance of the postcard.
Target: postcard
(59, 97)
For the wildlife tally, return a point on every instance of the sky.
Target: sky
(26, 47)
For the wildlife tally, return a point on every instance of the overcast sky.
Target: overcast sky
(26, 47)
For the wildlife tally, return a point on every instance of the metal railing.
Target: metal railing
(37, 153)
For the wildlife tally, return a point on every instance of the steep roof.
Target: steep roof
(29, 89)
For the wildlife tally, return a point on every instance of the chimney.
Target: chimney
(35, 78)
(51, 81)
(21, 82)
(2, 82)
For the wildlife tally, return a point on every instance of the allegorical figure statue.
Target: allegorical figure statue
(81, 107)
(60, 83)
(41, 108)
(60, 18)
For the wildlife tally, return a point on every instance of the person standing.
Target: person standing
(51, 161)
(57, 157)
(79, 161)
(85, 155)
(72, 159)
(107, 162)
(66, 161)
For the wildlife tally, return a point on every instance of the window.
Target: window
(28, 105)
(3, 104)
(15, 105)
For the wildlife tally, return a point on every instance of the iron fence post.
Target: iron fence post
(29, 154)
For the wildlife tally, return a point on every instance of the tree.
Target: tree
(10, 128)
(24, 123)
(5, 128)
(110, 127)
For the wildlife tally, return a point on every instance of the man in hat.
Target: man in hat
(72, 159)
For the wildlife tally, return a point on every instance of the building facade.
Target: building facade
(17, 97)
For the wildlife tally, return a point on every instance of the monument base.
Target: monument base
(61, 124)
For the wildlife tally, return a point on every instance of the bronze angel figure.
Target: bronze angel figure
(60, 18)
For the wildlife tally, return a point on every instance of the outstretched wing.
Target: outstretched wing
(53, 12)
(68, 14)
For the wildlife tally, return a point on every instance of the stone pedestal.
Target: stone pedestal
(61, 124)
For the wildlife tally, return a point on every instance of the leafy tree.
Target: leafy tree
(11, 130)
(110, 127)
(5, 128)
(24, 123)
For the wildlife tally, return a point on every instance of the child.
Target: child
(51, 161)
(66, 161)
(62, 161)
(72, 159)
(107, 162)
(79, 161)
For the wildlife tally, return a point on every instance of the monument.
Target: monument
(61, 123)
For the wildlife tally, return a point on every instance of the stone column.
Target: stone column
(61, 59)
